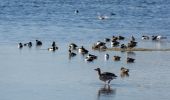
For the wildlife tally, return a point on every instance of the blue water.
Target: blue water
(37, 74)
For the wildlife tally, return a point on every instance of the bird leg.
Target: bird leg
(109, 82)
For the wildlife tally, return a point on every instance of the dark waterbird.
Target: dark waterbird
(20, 45)
(38, 43)
(105, 76)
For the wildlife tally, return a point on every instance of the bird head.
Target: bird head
(97, 69)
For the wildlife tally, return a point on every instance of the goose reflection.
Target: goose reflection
(106, 91)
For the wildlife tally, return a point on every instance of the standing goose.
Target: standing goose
(105, 76)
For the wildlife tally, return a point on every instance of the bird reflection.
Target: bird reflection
(106, 91)
(123, 75)
(131, 53)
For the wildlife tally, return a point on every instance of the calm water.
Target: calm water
(37, 74)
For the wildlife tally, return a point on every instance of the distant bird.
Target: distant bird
(116, 58)
(121, 38)
(53, 44)
(76, 11)
(105, 76)
(72, 46)
(107, 40)
(30, 44)
(124, 72)
(20, 45)
(145, 37)
(106, 56)
(132, 38)
(89, 59)
(123, 46)
(92, 56)
(38, 43)
(159, 37)
(83, 50)
(130, 60)
(53, 49)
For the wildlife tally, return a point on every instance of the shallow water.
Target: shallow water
(37, 74)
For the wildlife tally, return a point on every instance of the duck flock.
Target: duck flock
(115, 41)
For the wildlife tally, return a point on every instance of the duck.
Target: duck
(145, 37)
(107, 40)
(124, 72)
(132, 44)
(130, 60)
(121, 38)
(83, 50)
(116, 58)
(38, 43)
(20, 45)
(132, 38)
(53, 44)
(123, 46)
(52, 48)
(73, 46)
(89, 59)
(159, 37)
(29, 44)
(76, 11)
(92, 56)
(115, 43)
(105, 76)
(106, 56)
(100, 43)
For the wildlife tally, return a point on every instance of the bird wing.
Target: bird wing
(109, 74)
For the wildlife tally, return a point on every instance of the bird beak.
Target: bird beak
(95, 69)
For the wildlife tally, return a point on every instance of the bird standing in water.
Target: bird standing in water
(105, 76)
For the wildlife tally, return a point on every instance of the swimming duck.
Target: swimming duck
(105, 76)
(107, 40)
(52, 48)
(38, 43)
(123, 46)
(100, 43)
(92, 56)
(130, 60)
(159, 37)
(73, 46)
(116, 58)
(121, 38)
(89, 59)
(20, 45)
(145, 37)
(53, 44)
(83, 50)
(29, 44)
(132, 44)
(124, 72)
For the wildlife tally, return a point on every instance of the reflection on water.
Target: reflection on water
(123, 75)
(131, 53)
(106, 92)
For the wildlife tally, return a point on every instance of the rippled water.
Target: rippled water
(37, 74)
